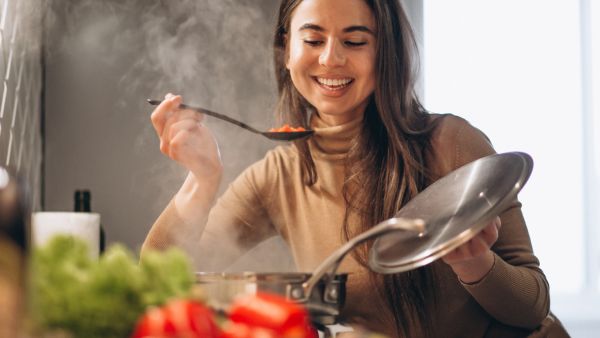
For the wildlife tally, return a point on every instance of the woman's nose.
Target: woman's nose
(332, 55)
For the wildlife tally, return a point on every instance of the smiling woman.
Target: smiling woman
(345, 69)
(331, 59)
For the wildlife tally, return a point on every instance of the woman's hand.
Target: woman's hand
(185, 139)
(474, 259)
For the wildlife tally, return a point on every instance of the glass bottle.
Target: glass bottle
(83, 203)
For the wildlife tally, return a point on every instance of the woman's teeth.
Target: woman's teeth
(334, 83)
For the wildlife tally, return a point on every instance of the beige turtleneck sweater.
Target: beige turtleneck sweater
(270, 198)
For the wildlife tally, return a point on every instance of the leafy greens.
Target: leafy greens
(84, 297)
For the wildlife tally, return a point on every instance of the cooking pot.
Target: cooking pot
(445, 215)
(323, 292)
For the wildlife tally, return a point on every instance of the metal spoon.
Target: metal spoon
(273, 135)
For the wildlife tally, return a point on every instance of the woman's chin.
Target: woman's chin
(334, 116)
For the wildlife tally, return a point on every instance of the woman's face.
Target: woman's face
(331, 56)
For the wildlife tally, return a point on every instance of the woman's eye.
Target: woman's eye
(355, 43)
(313, 43)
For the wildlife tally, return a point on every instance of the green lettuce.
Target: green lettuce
(83, 297)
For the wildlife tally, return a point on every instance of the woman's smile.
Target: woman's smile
(332, 86)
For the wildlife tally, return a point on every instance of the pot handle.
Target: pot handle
(330, 265)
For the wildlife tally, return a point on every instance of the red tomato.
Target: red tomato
(239, 330)
(274, 313)
(178, 318)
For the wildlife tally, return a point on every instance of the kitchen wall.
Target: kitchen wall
(104, 58)
(21, 90)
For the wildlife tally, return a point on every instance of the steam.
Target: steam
(214, 53)
(217, 54)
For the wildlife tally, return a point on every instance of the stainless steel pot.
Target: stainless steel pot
(323, 292)
(324, 303)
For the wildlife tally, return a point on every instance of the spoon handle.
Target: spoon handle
(211, 113)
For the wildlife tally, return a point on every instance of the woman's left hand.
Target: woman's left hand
(474, 259)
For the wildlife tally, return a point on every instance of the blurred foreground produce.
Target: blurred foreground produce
(269, 316)
(178, 318)
(82, 297)
(75, 296)
(250, 316)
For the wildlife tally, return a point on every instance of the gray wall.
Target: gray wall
(20, 98)
(104, 58)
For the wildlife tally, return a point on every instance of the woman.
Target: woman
(344, 67)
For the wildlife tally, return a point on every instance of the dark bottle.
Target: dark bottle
(83, 203)
(14, 233)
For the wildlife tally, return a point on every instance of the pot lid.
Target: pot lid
(454, 208)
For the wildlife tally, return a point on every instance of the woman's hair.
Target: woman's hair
(386, 160)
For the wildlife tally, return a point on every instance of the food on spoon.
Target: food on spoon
(286, 129)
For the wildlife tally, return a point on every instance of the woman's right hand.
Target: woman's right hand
(185, 139)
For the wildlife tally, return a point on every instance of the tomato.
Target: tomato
(178, 318)
(239, 330)
(271, 312)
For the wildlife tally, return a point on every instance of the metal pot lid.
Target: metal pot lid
(454, 208)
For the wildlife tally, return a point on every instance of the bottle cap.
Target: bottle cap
(82, 194)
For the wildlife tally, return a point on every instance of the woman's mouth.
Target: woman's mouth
(333, 84)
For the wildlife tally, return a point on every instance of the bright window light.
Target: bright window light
(513, 69)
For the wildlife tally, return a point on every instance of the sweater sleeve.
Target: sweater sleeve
(515, 291)
(236, 223)
(241, 212)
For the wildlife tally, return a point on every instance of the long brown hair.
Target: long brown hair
(386, 160)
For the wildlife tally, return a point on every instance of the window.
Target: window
(527, 73)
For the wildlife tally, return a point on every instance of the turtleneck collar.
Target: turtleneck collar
(332, 142)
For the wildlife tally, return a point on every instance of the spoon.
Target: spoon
(273, 135)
